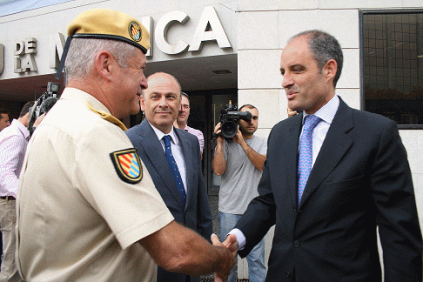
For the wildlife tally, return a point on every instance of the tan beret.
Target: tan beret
(110, 24)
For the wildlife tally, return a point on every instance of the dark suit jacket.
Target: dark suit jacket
(196, 213)
(360, 179)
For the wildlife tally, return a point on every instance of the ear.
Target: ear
(142, 105)
(330, 69)
(104, 64)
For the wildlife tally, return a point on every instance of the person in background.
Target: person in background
(87, 208)
(175, 166)
(182, 120)
(13, 144)
(240, 163)
(4, 119)
(334, 178)
(4, 122)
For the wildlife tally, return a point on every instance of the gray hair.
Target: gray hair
(324, 47)
(82, 52)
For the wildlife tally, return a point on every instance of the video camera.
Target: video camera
(43, 104)
(229, 118)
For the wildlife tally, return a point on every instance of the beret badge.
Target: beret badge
(135, 31)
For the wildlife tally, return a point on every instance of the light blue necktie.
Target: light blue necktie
(305, 158)
(174, 168)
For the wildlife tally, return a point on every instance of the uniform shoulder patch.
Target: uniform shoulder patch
(128, 165)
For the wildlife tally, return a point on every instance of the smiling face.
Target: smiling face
(161, 101)
(131, 81)
(307, 86)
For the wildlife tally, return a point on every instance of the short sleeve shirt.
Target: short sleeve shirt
(197, 133)
(240, 180)
(77, 219)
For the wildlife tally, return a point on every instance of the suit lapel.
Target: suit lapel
(336, 144)
(290, 154)
(154, 151)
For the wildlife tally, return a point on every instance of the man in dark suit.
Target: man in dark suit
(359, 179)
(160, 103)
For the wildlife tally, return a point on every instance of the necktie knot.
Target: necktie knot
(310, 123)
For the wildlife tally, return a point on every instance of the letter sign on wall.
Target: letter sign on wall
(217, 32)
(25, 63)
(57, 41)
(162, 29)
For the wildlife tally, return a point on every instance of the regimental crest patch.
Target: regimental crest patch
(127, 165)
(135, 31)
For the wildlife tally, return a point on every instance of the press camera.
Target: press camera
(229, 117)
(43, 104)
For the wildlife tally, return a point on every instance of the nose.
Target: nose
(144, 83)
(287, 81)
(162, 102)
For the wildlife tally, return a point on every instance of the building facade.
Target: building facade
(230, 50)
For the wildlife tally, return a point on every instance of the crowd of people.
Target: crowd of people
(91, 200)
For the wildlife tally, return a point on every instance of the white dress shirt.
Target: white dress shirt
(326, 114)
(13, 143)
(177, 153)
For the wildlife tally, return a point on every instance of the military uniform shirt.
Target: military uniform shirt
(77, 219)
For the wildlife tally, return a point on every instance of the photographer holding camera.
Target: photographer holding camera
(240, 163)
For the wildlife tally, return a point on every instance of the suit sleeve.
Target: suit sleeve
(204, 217)
(397, 218)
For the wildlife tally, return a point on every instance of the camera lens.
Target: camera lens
(229, 129)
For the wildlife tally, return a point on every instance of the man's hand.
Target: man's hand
(291, 112)
(238, 138)
(217, 131)
(232, 246)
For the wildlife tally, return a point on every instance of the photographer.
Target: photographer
(240, 163)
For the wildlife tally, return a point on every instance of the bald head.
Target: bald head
(161, 78)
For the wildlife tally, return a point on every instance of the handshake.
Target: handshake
(229, 249)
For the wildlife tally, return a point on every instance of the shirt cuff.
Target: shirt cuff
(240, 237)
